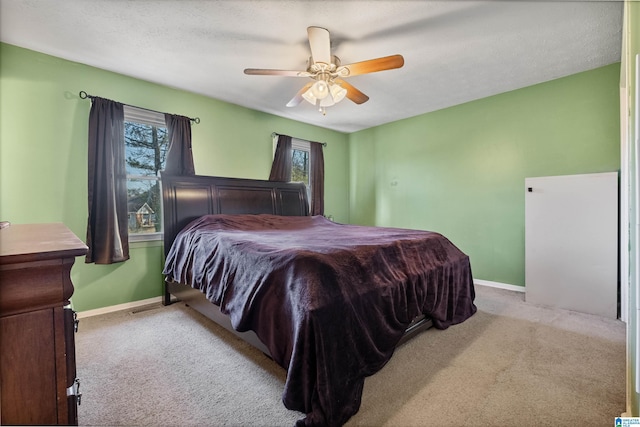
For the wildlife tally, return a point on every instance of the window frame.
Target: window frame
(156, 119)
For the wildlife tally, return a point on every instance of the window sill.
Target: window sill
(147, 239)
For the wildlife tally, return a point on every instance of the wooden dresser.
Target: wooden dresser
(37, 351)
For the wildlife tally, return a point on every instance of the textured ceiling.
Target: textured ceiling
(454, 51)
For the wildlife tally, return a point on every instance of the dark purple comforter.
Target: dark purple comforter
(330, 301)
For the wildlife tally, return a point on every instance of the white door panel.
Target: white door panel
(571, 242)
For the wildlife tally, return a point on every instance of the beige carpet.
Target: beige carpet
(510, 364)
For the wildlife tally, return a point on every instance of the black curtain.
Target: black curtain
(180, 157)
(317, 178)
(107, 234)
(281, 167)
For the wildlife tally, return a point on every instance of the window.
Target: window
(300, 162)
(146, 144)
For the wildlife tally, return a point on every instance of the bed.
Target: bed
(328, 302)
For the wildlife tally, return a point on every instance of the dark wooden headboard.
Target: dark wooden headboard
(186, 198)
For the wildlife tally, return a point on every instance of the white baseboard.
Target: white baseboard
(119, 307)
(154, 300)
(499, 285)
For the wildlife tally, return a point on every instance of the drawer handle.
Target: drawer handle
(74, 390)
(75, 317)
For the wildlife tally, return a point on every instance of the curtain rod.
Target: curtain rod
(85, 95)
(324, 144)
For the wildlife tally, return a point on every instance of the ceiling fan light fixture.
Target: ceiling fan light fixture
(309, 97)
(330, 94)
(337, 92)
(327, 102)
(320, 89)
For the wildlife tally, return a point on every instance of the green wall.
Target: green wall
(43, 157)
(460, 171)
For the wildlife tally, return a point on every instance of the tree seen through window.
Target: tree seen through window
(300, 166)
(145, 154)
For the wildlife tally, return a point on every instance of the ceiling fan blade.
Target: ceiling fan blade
(267, 72)
(298, 98)
(373, 65)
(352, 93)
(320, 44)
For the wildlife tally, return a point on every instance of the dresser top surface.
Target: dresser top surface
(25, 242)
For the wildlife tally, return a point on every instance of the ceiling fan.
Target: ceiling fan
(329, 86)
